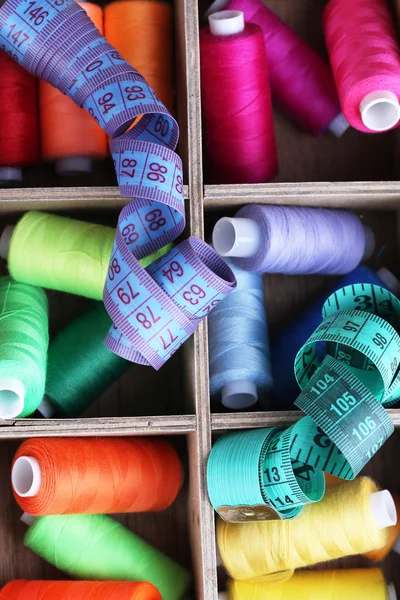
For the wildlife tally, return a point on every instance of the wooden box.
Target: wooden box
(357, 172)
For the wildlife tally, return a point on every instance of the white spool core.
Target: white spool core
(369, 245)
(27, 519)
(5, 241)
(10, 174)
(383, 509)
(390, 280)
(236, 237)
(380, 110)
(226, 22)
(46, 408)
(223, 596)
(339, 125)
(26, 477)
(239, 394)
(391, 592)
(12, 397)
(74, 165)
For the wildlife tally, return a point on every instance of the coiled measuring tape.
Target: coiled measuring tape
(343, 396)
(155, 310)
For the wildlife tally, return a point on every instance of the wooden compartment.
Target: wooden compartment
(176, 400)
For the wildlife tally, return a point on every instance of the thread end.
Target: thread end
(239, 394)
(236, 237)
(74, 165)
(339, 125)
(380, 110)
(26, 477)
(226, 22)
(383, 509)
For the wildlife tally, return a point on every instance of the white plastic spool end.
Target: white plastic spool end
(369, 244)
(226, 22)
(12, 397)
(239, 394)
(391, 592)
(46, 408)
(27, 519)
(5, 241)
(74, 165)
(390, 280)
(380, 110)
(383, 509)
(236, 237)
(339, 125)
(223, 596)
(10, 175)
(26, 477)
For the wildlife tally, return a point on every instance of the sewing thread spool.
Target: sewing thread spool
(365, 59)
(393, 533)
(61, 254)
(286, 344)
(84, 590)
(97, 547)
(236, 100)
(69, 135)
(19, 132)
(352, 584)
(240, 370)
(301, 80)
(80, 367)
(141, 31)
(294, 240)
(23, 348)
(54, 476)
(351, 519)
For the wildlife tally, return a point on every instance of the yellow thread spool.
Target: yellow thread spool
(341, 524)
(61, 254)
(352, 584)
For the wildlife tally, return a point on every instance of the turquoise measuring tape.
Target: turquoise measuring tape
(273, 473)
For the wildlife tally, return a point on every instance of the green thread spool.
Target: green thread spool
(80, 367)
(97, 547)
(23, 348)
(58, 253)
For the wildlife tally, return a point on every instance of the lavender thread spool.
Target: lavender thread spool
(294, 240)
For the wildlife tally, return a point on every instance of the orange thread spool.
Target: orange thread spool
(393, 534)
(141, 31)
(56, 476)
(78, 590)
(69, 135)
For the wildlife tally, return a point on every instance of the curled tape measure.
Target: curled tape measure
(343, 395)
(155, 310)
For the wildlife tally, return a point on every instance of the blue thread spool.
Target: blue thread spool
(285, 347)
(240, 371)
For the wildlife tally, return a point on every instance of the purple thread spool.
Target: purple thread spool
(294, 240)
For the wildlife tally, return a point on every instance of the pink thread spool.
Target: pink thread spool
(301, 81)
(237, 109)
(365, 59)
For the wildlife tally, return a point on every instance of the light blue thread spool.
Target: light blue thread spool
(240, 371)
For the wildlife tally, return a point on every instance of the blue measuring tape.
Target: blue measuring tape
(155, 310)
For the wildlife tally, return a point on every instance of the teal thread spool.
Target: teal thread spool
(97, 547)
(80, 367)
(24, 341)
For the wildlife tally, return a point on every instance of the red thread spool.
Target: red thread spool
(365, 59)
(301, 80)
(69, 135)
(56, 476)
(19, 130)
(237, 109)
(78, 590)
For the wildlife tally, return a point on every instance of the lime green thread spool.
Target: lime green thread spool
(24, 340)
(97, 547)
(58, 253)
